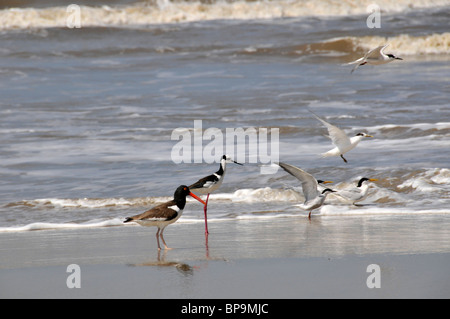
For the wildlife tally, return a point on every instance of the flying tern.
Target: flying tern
(375, 57)
(342, 142)
(313, 197)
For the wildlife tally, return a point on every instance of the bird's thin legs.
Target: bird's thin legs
(205, 209)
(157, 239)
(164, 242)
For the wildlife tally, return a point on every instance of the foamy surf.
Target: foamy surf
(410, 192)
(402, 45)
(89, 203)
(430, 181)
(405, 44)
(334, 210)
(49, 225)
(164, 11)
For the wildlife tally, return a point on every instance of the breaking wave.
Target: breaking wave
(402, 44)
(165, 11)
(408, 192)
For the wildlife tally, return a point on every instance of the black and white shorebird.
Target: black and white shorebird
(165, 214)
(342, 142)
(210, 183)
(356, 194)
(375, 57)
(314, 197)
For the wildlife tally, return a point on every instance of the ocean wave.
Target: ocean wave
(266, 194)
(401, 191)
(49, 225)
(333, 210)
(430, 181)
(329, 209)
(165, 11)
(426, 180)
(402, 45)
(409, 130)
(89, 203)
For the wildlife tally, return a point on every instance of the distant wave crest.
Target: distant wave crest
(402, 45)
(165, 11)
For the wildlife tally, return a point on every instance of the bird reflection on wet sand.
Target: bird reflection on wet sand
(161, 262)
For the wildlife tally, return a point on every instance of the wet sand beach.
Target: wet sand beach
(290, 258)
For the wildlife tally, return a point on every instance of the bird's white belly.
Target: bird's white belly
(312, 204)
(152, 222)
(208, 188)
(158, 222)
(377, 61)
(339, 150)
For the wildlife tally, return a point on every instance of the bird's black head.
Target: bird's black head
(328, 190)
(363, 135)
(180, 196)
(181, 191)
(394, 57)
(228, 159)
(364, 179)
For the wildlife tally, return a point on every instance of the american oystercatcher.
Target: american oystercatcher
(314, 198)
(165, 214)
(210, 183)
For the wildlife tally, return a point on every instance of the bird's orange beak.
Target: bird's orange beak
(197, 198)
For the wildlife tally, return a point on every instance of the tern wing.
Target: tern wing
(309, 183)
(375, 53)
(354, 68)
(337, 136)
(357, 61)
(348, 194)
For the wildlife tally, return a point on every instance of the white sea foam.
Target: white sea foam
(415, 126)
(433, 180)
(48, 226)
(408, 45)
(265, 194)
(423, 191)
(334, 210)
(186, 11)
(90, 203)
(401, 45)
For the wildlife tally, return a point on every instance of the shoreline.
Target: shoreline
(277, 258)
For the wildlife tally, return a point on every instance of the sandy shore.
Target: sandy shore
(262, 258)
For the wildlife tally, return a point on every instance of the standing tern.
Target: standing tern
(313, 197)
(375, 57)
(358, 193)
(210, 183)
(165, 214)
(342, 142)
